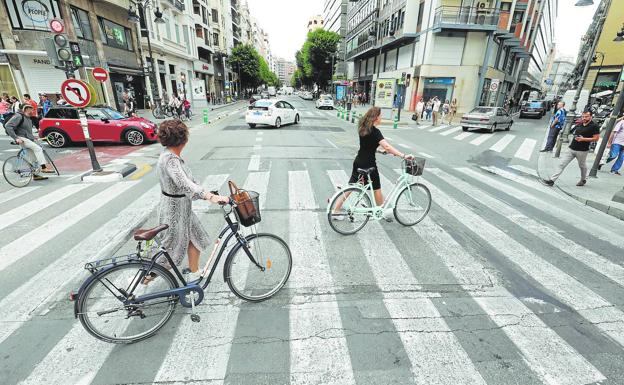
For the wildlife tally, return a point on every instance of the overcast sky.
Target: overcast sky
(286, 22)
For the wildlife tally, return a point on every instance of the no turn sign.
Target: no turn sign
(100, 74)
(494, 85)
(76, 93)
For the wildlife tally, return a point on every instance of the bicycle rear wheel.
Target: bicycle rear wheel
(103, 314)
(158, 112)
(350, 216)
(17, 171)
(412, 204)
(169, 112)
(253, 282)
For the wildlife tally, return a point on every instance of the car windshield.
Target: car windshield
(327, 97)
(483, 110)
(535, 105)
(115, 115)
(262, 103)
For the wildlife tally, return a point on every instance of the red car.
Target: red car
(61, 127)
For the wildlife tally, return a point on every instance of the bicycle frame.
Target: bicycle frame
(21, 157)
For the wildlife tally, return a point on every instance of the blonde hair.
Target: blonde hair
(365, 124)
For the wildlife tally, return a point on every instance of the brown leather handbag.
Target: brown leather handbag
(245, 205)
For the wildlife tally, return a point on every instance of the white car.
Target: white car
(325, 101)
(306, 95)
(272, 112)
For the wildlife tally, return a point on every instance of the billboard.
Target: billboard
(384, 93)
(340, 92)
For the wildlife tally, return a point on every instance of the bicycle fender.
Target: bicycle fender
(233, 251)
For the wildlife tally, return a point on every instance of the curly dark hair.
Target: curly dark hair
(172, 133)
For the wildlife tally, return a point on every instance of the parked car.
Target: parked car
(61, 127)
(325, 101)
(264, 95)
(533, 108)
(306, 95)
(488, 118)
(274, 112)
(254, 98)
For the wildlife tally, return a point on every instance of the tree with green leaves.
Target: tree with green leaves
(246, 61)
(318, 49)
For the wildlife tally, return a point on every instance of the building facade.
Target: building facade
(335, 20)
(315, 22)
(559, 76)
(475, 51)
(285, 70)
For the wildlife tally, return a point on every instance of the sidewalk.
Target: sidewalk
(405, 120)
(597, 193)
(197, 113)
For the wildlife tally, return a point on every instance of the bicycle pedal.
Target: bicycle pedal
(195, 317)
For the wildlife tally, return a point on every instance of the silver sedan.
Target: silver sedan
(487, 118)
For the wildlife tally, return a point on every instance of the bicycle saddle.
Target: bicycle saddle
(365, 171)
(148, 234)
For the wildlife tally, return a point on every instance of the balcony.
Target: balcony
(467, 18)
(360, 50)
(175, 4)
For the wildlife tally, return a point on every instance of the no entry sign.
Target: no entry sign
(76, 93)
(100, 74)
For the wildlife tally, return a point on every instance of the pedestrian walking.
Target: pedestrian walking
(446, 109)
(453, 111)
(428, 109)
(46, 104)
(436, 110)
(584, 134)
(186, 235)
(129, 104)
(556, 124)
(420, 106)
(616, 143)
(176, 104)
(16, 105)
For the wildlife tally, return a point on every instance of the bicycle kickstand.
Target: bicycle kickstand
(194, 316)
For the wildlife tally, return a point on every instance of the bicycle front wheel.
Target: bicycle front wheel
(104, 315)
(50, 161)
(412, 204)
(17, 171)
(157, 112)
(259, 268)
(349, 211)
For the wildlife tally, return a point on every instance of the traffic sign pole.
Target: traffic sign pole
(84, 124)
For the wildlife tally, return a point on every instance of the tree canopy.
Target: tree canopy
(254, 70)
(318, 48)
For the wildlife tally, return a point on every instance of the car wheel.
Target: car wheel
(278, 122)
(493, 128)
(134, 137)
(464, 128)
(297, 119)
(57, 139)
(252, 125)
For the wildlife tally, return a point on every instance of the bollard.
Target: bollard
(353, 117)
(395, 125)
(338, 112)
(347, 116)
(205, 116)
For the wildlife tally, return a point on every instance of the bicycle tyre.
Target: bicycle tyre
(11, 173)
(163, 281)
(157, 112)
(169, 112)
(49, 159)
(364, 200)
(238, 257)
(426, 206)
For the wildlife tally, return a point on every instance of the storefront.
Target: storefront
(131, 79)
(201, 83)
(440, 87)
(7, 81)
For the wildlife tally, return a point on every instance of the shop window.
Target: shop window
(33, 15)
(82, 25)
(115, 35)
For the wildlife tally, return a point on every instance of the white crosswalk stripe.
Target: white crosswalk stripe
(526, 149)
(451, 131)
(479, 140)
(502, 143)
(14, 194)
(438, 128)
(463, 135)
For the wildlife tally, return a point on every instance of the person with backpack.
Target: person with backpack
(556, 124)
(35, 115)
(20, 127)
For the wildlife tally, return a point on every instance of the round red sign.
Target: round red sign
(57, 26)
(100, 74)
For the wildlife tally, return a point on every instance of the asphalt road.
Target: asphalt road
(505, 282)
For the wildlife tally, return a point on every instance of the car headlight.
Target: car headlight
(145, 125)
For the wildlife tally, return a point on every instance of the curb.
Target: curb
(111, 174)
(605, 208)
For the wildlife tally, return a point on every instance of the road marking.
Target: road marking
(257, 147)
(524, 169)
(44, 285)
(30, 241)
(254, 163)
(502, 143)
(463, 135)
(212, 182)
(260, 133)
(544, 232)
(331, 143)
(451, 131)
(16, 193)
(534, 184)
(438, 128)
(526, 149)
(258, 182)
(308, 321)
(404, 145)
(598, 231)
(480, 139)
(426, 155)
(604, 315)
(301, 196)
(258, 139)
(144, 169)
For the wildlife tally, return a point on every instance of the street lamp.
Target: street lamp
(135, 18)
(584, 3)
(620, 35)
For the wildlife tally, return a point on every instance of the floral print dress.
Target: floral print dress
(184, 226)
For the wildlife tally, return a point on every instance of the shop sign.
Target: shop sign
(384, 94)
(33, 14)
(447, 81)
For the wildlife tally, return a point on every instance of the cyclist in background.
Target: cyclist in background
(370, 139)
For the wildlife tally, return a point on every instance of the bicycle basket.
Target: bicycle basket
(248, 208)
(415, 166)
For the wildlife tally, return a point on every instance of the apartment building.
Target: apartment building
(315, 22)
(335, 20)
(480, 52)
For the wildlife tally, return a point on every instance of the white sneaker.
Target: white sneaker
(338, 217)
(192, 277)
(388, 215)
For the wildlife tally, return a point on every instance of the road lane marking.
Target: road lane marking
(331, 143)
(16, 193)
(532, 183)
(404, 145)
(257, 147)
(438, 128)
(480, 139)
(426, 155)
(212, 182)
(524, 169)
(258, 182)
(502, 143)
(463, 135)
(144, 169)
(526, 149)
(301, 196)
(258, 139)
(30, 241)
(451, 131)
(604, 315)
(254, 163)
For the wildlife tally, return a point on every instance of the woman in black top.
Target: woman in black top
(370, 139)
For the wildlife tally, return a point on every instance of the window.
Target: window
(115, 35)
(186, 41)
(35, 15)
(167, 29)
(96, 114)
(215, 16)
(215, 39)
(177, 32)
(82, 25)
(62, 113)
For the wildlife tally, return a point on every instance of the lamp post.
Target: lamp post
(327, 61)
(572, 111)
(134, 17)
(609, 128)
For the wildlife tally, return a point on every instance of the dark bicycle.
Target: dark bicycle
(18, 170)
(115, 305)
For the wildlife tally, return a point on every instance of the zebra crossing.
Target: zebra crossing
(501, 283)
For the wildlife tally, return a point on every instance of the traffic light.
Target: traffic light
(76, 55)
(61, 46)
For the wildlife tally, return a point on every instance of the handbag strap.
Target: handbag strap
(233, 188)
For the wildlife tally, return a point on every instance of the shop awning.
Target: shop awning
(125, 70)
(602, 94)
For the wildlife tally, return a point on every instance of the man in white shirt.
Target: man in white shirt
(436, 110)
